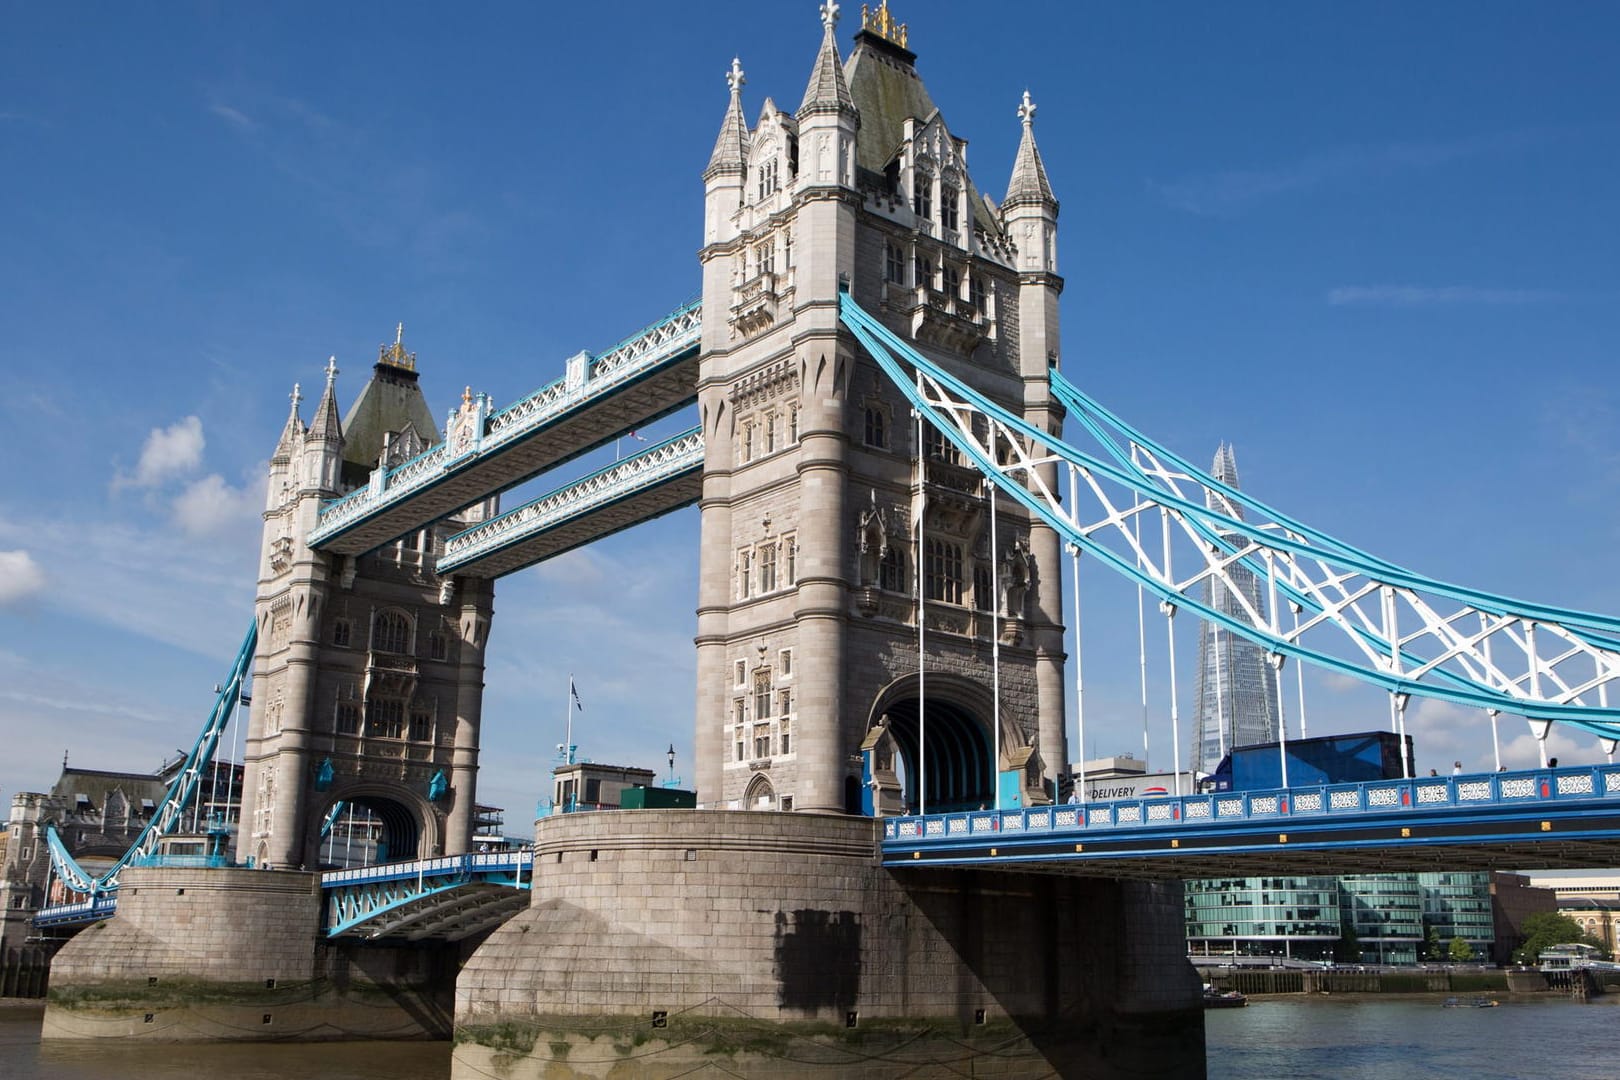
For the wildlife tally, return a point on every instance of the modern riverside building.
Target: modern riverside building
(1459, 906)
(1386, 913)
(1295, 918)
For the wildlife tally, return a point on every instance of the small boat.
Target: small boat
(1471, 1003)
(1215, 999)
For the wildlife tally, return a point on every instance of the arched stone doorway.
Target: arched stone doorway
(760, 795)
(956, 769)
(373, 827)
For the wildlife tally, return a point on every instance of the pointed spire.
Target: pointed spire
(827, 92)
(731, 148)
(293, 431)
(1029, 183)
(325, 425)
(1225, 470)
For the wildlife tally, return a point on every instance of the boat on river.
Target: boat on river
(1470, 1003)
(1229, 999)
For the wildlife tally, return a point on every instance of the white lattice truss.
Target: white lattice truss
(1350, 612)
(598, 377)
(618, 481)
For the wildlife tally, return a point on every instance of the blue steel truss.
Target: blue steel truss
(670, 341)
(446, 898)
(1354, 614)
(1552, 817)
(656, 468)
(175, 803)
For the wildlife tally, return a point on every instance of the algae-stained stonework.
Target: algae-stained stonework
(817, 477)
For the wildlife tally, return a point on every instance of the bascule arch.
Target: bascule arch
(930, 743)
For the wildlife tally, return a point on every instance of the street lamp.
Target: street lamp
(671, 756)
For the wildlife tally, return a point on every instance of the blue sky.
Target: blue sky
(1375, 246)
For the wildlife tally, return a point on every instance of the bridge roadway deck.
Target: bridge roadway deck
(550, 427)
(661, 479)
(1540, 819)
(448, 898)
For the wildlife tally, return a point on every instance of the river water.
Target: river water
(1365, 1037)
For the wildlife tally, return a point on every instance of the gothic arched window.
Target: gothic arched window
(392, 633)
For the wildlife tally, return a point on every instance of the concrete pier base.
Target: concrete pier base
(236, 955)
(756, 944)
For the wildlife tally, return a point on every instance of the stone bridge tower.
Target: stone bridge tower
(815, 471)
(368, 679)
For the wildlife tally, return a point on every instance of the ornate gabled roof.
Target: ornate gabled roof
(390, 402)
(325, 426)
(1029, 183)
(731, 147)
(827, 91)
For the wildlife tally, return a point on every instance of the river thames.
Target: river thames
(1301, 1038)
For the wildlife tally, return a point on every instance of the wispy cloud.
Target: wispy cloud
(210, 506)
(20, 577)
(1233, 191)
(1424, 296)
(168, 452)
(235, 117)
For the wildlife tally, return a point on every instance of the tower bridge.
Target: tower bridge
(890, 465)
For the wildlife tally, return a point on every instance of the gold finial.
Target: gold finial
(395, 355)
(466, 396)
(881, 23)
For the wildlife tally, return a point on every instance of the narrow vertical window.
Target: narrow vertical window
(767, 568)
(947, 207)
(894, 264)
(762, 694)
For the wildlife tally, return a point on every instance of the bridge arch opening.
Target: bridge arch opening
(956, 772)
(362, 828)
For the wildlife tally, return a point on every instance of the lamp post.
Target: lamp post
(671, 756)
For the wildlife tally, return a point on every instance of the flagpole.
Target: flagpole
(568, 708)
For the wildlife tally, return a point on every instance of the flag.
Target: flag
(573, 693)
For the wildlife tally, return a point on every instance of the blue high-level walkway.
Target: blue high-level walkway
(647, 376)
(1544, 818)
(646, 485)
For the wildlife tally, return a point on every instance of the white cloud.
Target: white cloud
(234, 116)
(1421, 296)
(20, 577)
(210, 506)
(168, 451)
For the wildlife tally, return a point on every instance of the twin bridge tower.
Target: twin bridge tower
(840, 535)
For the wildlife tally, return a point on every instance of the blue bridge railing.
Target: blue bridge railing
(1503, 789)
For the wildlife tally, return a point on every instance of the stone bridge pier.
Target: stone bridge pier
(775, 945)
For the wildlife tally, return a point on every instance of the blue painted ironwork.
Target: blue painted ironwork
(1549, 663)
(77, 913)
(677, 458)
(179, 797)
(671, 340)
(450, 898)
(1567, 805)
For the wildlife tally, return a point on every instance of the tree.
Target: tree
(1433, 948)
(1460, 951)
(1545, 929)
